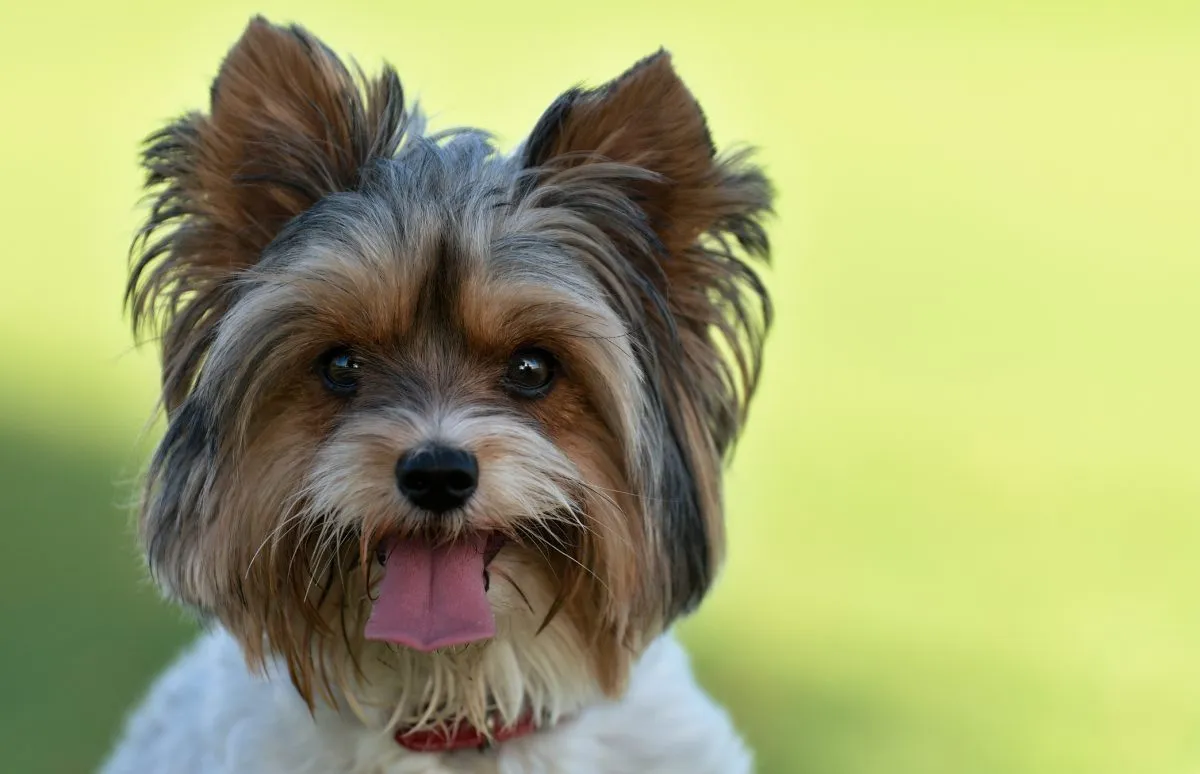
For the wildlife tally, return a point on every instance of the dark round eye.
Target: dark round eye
(530, 372)
(340, 369)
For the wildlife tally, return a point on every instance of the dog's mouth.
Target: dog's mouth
(434, 594)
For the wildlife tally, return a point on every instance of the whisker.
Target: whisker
(599, 489)
(575, 561)
(273, 536)
(505, 576)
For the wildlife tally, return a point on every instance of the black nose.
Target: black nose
(437, 478)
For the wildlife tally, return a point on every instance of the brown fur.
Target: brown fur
(648, 119)
(288, 126)
(297, 217)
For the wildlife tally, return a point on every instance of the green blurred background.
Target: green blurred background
(965, 519)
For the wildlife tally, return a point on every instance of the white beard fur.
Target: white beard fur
(209, 714)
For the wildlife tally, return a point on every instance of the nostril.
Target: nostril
(415, 481)
(460, 480)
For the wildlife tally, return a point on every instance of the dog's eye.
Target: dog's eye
(340, 369)
(530, 373)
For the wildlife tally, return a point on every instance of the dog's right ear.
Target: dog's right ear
(287, 126)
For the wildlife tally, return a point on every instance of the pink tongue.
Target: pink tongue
(433, 596)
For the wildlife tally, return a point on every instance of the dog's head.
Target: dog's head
(421, 394)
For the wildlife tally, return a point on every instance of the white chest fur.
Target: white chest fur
(209, 715)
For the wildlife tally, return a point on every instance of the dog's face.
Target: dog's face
(435, 413)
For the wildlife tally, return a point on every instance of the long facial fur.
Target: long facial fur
(306, 211)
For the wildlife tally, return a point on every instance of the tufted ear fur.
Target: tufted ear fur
(700, 312)
(288, 125)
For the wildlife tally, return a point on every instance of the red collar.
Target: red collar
(464, 736)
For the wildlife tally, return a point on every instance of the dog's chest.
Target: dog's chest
(209, 715)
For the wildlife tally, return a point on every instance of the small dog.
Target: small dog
(445, 426)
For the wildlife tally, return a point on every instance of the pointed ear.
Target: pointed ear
(287, 126)
(634, 156)
(646, 118)
(704, 210)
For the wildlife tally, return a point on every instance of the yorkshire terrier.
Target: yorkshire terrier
(445, 426)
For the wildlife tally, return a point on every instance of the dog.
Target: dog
(445, 426)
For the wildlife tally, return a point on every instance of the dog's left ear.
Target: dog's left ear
(679, 220)
(647, 118)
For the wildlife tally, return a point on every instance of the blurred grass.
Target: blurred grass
(964, 520)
